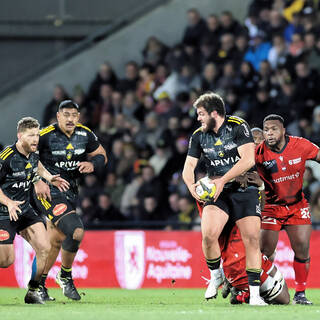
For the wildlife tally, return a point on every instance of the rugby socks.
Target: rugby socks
(33, 285)
(301, 270)
(254, 281)
(43, 280)
(66, 272)
(213, 264)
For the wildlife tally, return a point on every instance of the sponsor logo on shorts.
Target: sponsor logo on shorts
(268, 220)
(59, 209)
(4, 235)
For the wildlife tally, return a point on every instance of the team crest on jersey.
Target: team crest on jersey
(70, 151)
(221, 154)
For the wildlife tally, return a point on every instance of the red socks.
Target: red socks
(301, 269)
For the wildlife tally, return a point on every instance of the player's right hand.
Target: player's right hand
(14, 209)
(192, 190)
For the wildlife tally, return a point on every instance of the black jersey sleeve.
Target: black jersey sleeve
(4, 170)
(194, 149)
(93, 142)
(243, 134)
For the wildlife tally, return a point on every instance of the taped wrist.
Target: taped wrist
(98, 161)
(36, 178)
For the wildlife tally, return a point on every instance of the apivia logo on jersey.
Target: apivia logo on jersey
(138, 261)
(224, 162)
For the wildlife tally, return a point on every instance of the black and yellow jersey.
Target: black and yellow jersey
(61, 155)
(220, 150)
(16, 174)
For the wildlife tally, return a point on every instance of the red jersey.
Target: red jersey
(282, 172)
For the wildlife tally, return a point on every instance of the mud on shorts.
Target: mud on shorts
(239, 203)
(58, 207)
(9, 229)
(275, 217)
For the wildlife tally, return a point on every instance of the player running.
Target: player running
(280, 161)
(69, 149)
(227, 145)
(19, 165)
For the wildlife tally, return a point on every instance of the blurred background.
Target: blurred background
(136, 67)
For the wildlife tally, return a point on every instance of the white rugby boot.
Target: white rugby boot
(214, 283)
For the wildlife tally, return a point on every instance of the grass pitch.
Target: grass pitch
(150, 304)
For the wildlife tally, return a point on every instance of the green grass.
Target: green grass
(164, 304)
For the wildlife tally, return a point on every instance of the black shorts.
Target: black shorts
(59, 206)
(238, 203)
(9, 229)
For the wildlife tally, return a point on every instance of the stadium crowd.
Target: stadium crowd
(268, 64)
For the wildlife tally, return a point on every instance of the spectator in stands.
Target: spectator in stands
(154, 52)
(315, 206)
(125, 164)
(278, 52)
(59, 94)
(229, 24)
(314, 56)
(105, 75)
(130, 82)
(310, 183)
(227, 51)
(90, 188)
(212, 34)
(87, 211)
(210, 76)
(195, 29)
(114, 186)
(106, 212)
(258, 50)
(116, 102)
(295, 26)
(296, 47)
(228, 79)
(161, 157)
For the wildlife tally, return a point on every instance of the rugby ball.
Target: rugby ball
(206, 189)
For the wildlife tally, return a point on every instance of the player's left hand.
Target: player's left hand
(60, 183)
(42, 190)
(219, 182)
(86, 167)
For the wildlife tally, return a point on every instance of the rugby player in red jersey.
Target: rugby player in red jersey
(280, 161)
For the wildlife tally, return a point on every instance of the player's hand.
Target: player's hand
(42, 190)
(192, 190)
(219, 187)
(86, 167)
(242, 180)
(60, 183)
(14, 209)
(254, 178)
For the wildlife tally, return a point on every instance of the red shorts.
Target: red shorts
(234, 261)
(275, 217)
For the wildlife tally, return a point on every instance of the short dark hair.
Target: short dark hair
(273, 117)
(211, 102)
(68, 104)
(27, 123)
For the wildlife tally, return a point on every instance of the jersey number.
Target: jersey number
(305, 214)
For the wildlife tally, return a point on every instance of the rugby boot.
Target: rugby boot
(257, 301)
(225, 289)
(34, 297)
(45, 295)
(300, 298)
(67, 286)
(214, 283)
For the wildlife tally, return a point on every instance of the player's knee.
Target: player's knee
(210, 239)
(301, 249)
(70, 245)
(251, 240)
(7, 261)
(78, 234)
(43, 249)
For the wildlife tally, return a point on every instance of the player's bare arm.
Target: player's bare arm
(55, 180)
(97, 157)
(188, 176)
(12, 205)
(246, 162)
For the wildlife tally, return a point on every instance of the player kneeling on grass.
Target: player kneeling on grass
(19, 164)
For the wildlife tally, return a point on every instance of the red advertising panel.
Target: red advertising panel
(144, 259)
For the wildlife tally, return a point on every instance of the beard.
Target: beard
(26, 147)
(210, 125)
(274, 145)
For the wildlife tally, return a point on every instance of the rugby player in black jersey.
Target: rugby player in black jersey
(19, 164)
(69, 149)
(227, 146)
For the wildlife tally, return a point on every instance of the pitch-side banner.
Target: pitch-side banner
(144, 259)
